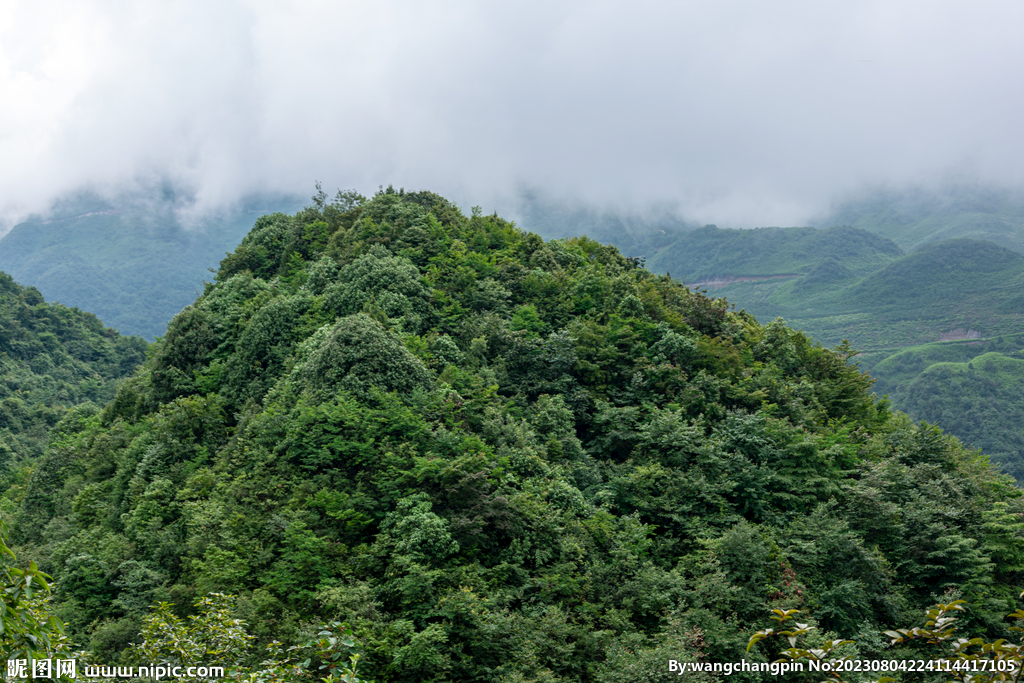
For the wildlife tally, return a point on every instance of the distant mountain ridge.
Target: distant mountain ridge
(132, 261)
(710, 252)
(913, 299)
(912, 217)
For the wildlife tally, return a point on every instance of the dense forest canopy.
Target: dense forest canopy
(500, 458)
(956, 289)
(51, 358)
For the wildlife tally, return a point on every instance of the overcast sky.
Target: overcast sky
(740, 113)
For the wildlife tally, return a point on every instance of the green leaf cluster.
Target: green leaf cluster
(27, 630)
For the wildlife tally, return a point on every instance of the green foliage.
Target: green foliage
(215, 637)
(634, 659)
(85, 588)
(951, 656)
(357, 353)
(263, 349)
(51, 358)
(27, 631)
(212, 637)
(495, 458)
(391, 284)
(829, 654)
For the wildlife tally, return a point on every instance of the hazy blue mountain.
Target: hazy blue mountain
(134, 261)
(914, 216)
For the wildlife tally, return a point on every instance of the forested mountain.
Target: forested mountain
(500, 458)
(137, 259)
(51, 359)
(134, 261)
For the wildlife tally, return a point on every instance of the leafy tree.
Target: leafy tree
(29, 632)
(210, 638)
(357, 353)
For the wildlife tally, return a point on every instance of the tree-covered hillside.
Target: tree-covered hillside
(944, 290)
(134, 261)
(51, 359)
(972, 388)
(502, 459)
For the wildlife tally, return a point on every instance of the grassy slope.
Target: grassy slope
(132, 263)
(710, 252)
(981, 401)
(975, 389)
(943, 286)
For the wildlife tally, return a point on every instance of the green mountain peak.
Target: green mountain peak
(498, 457)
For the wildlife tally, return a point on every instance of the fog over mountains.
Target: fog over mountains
(730, 113)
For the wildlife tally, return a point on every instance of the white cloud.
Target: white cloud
(739, 112)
